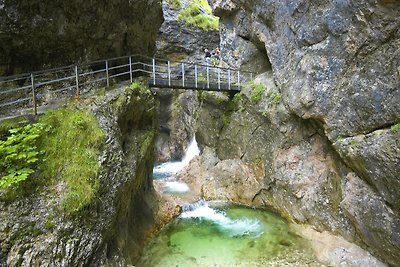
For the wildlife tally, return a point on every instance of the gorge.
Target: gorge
(315, 137)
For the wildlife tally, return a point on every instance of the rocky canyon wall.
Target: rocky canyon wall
(36, 35)
(322, 144)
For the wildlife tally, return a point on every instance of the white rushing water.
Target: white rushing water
(228, 226)
(169, 169)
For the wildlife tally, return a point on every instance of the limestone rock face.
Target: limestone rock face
(178, 42)
(36, 34)
(335, 62)
(328, 149)
(112, 231)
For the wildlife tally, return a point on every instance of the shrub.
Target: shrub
(19, 154)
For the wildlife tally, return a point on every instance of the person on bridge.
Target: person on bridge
(207, 55)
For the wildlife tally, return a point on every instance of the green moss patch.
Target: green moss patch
(199, 14)
(71, 147)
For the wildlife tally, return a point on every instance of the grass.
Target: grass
(71, 149)
(199, 14)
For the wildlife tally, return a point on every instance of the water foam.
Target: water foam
(232, 228)
(176, 187)
(169, 169)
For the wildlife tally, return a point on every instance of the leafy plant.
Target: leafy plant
(19, 154)
(199, 14)
(256, 92)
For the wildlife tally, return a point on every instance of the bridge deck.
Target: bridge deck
(191, 85)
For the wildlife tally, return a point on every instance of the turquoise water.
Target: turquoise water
(227, 236)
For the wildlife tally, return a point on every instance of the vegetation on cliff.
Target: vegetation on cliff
(198, 13)
(64, 147)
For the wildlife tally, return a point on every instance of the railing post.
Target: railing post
(229, 79)
(183, 74)
(77, 82)
(33, 95)
(130, 69)
(107, 76)
(208, 78)
(169, 73)
(219, 78)
(238, 77)
(195, 76)
(154, 71)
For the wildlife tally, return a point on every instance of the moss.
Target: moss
(395, 128)
(274, 98)
(49, 224)
(257, 90)
(174, 4)
(147, 142)
(199, 14)
(71, 150)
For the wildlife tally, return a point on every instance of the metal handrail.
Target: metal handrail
(29, 88)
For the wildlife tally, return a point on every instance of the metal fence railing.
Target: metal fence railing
(32, 90)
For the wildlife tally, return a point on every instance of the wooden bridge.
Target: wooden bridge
(32, 90)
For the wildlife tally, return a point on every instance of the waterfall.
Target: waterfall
(169, 169)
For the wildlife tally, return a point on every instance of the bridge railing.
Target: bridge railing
(41, 88)
(192, 75)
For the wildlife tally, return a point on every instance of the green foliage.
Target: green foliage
(141, 88)
(71, 149)
(395, 128)
(175, 4)
(135, 86)
(19, 154)
(199, 14)
(274, 98)
(201, 78)
(257, 91)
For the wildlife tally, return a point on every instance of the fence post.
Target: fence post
(208, 80)
(154, 71)
(183, 74)
(229, 79)
(238, 77)
(251, 76)
(33, 95)
(219, 78)
(130, 69)
(195, 76)
(107, 76)
(169, 73)
(77, 82)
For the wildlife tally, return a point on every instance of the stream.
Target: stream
(220, 234)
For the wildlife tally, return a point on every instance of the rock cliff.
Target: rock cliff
(322, 145)
(36, 35)
(34, 230)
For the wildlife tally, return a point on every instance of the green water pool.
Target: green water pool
(227, 236)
